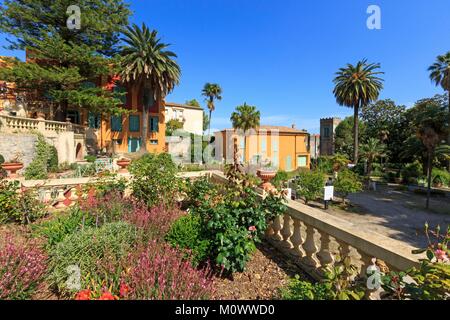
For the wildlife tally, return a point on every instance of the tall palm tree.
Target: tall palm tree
(440, 75)
(245, 118)
(149, 67)
(211, 92)
(372, 150)
(356, 86)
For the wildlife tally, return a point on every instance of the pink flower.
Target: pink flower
(252, 229)
(441, 255)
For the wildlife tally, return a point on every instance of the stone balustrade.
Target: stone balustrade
(10, 124)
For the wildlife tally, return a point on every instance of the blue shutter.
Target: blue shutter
(154, 124)
(94, 120)
(288, 163)
(263, 146)
(116, 123)
(134, 123)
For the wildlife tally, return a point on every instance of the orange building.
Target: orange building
(283, 147)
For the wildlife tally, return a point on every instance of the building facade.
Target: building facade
(190, 116)
(327, 130)
(282, 147)
(314, 146)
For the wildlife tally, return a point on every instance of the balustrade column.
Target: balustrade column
(286, 232)
(325, 256)
(296, 238)
(276, 227)
(310, 248)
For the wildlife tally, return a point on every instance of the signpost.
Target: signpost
(328, 192)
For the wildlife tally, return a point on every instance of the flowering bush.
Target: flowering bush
(20, 207)
(159, 271)
(232, 219)
(153, 223)
(431, 279)
(97, 252)
(154, 179)
(22, 268)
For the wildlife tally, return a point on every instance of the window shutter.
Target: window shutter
(134, 123)
(116, 123)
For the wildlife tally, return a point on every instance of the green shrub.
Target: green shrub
(304, 290)
(90, 158)
(188, 232)
(9, 200)
(111, 183)
(347, 182)
(20, 207)
(56, 229)
(440, 176)
(92, 250)
(280, 179)
(45, 160)
(52, 162)
(3, 172)
(154, 179)
(411, 172)
(309, 185)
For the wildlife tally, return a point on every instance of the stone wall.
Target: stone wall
(10, 144)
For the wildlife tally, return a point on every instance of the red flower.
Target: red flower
(107, 296)
(124, 290)
(252, 228)
(83, 295)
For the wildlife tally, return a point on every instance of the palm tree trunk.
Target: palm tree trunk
(209, 126)
(355, 133)
(145, 109)
(429, 180)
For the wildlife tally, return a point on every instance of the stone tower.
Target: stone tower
(327, 129)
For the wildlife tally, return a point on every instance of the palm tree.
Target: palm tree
(245, 118)
(372, 150)
(149, 67)
(211, 92)
(440, 75)
(356, 86)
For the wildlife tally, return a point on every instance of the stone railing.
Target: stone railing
(9, 124)
(311, 237)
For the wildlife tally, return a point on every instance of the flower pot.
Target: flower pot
(266, 176)
(12, 168)
(123, 164)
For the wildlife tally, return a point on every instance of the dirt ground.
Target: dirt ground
(395, 213)
(266, 272)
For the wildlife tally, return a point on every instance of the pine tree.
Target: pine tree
(63, 62)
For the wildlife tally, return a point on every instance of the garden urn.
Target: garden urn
(123, 164)
(12, 168)
(266, 176)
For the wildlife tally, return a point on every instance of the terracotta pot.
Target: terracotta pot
(266, 176)
(12, 168)
(123, 164)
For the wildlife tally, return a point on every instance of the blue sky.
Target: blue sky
(282, 55)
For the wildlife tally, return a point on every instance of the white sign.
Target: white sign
(328, 193)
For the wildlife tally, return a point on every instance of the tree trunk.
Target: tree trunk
(145, 108)
(355, 134)
(61, 111)
(369, 168)
(429, 179)
(448, 126)
(209, 126)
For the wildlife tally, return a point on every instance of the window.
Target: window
(153, 124)
(134, 125)
(153, 142)
(326, 132)
(116, 123)
(301, 161)
(94, 120)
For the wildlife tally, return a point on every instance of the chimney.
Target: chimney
(293, 126)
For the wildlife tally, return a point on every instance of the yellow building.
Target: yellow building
(283, 147)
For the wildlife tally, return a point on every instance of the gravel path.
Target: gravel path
(396, 214)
